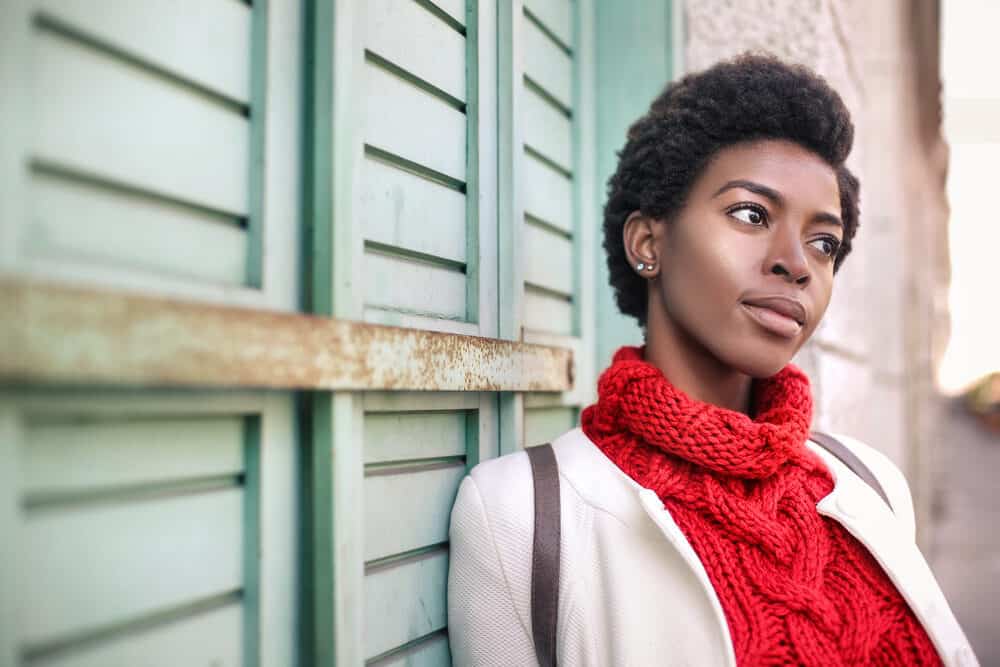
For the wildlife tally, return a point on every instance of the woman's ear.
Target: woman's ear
(641, 236)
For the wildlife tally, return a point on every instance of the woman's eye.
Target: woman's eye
(826, 245)
(751, 215)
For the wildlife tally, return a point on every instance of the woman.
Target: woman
(699, 524)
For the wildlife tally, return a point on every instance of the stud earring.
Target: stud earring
(642, 266)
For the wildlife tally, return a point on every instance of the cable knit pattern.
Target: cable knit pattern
(796, 587)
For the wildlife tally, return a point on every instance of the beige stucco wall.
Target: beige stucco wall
(872, 361)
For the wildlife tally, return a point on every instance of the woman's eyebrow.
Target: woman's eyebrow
(756, 188)
(774, 196)
(828, 218)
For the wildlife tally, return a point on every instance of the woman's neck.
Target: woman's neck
(695, 370)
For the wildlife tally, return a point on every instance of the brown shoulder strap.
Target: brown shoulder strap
(545, 553)
(851, 460)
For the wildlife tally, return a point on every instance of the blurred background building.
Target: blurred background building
(275, 275)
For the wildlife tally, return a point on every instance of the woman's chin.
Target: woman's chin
(760, 364)
(754, 353)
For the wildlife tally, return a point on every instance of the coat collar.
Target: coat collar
(866, 516)
(852, 503)
(604, 485)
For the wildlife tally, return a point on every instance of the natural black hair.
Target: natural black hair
(749, 98)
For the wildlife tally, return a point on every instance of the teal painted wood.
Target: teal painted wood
(509, 143)
(415, 285)
(549, 312)
(556, 16)
(283, 174)
(430, 651)
(548, 194)
(551, 265)
(251, 547)
(634, 37)
(548, 130)
(474, 153)
(222, 33)
(73, 457)
(456, 10)
(586, 222)
(393, 522)
(334, 566)
(418, 401)
(17, 121)
(208, 638)
(316, 634)
(545, 424)
(405, 601)
(334, 112)
(413, 38)
(481, 432)
(510, 207)
(415, 446)
(88, 222)
(549, 258)
(10, 525)
(441, 142)
(257, 173)
(115, 522)
(204, 163)
(348, 528)
(107, 202)
(129, 229)
(92, 221)
(481, 436)
(421, 453)
(415, 321)
(548, 65)
(415, 57)
(561, 227)
(108, 216)
(402, 436)
(317, 159)
(280, 532)
(398, 208)
(103, 564)
(349, 69)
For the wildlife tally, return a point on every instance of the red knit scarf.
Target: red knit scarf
(796, 587)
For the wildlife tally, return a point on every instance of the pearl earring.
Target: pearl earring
(642, 265)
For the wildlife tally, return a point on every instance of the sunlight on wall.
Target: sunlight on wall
(972, 129)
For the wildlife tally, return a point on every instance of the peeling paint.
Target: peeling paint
(58, 334)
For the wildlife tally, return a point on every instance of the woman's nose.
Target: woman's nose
(788, 260)
(799, 276)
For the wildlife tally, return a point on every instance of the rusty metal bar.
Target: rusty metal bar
(58, 334)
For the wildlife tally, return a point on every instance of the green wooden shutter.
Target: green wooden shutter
(146, 145)
(412, 154)
(556, 180)
(155, 149)
(151, 529)
(445, 183)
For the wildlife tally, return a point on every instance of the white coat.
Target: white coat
(632, 590)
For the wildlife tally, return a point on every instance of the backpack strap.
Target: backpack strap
(851, 460)
(545, 553)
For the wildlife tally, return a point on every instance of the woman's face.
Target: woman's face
(744, 271)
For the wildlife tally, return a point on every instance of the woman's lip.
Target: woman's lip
(773, 321)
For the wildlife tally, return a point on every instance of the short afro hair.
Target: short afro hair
(749, 98)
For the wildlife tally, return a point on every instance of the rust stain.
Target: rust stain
(73, 335)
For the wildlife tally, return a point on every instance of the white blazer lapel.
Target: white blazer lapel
(864, 514)
(665, 522)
